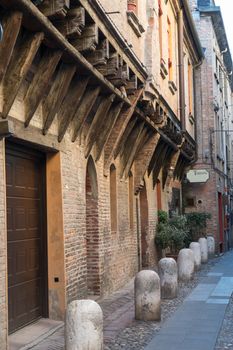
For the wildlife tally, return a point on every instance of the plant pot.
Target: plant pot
(132, 5)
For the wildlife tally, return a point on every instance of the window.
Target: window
(160, 28)
(113, 198)
(190, 87)
(190, 202)
(169, 38)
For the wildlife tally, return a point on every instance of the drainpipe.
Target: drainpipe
(181, 69)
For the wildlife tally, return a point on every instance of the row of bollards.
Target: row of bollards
(84, 319)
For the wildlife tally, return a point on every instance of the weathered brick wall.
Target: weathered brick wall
(3, 253)
(117, 250)
(205, 198)
(207, 94)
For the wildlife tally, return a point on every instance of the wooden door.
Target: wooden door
(26, 246)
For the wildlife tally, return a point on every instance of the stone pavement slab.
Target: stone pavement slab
(196, 324)
(33, 334)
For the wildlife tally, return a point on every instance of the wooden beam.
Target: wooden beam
(54, 9)
(141, 134)
(11, 27)
(120, 147)
(18, 68)
(172, 165)
(111, 67)
(72, 25)
(155, 156)
(84, 109)
(70, 104)
(118, 130)
(38, 20)
(122, 76)
(40, 82)
(143, 159)
(160, 161)
(100, 55)
(56, 94)
(108, 126)
(144, 140)
(132, 85)
(88, 39)
(96, 125)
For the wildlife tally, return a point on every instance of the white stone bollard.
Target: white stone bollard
(147, 296)
(211, 246)
(84, 326)
(185, 263)
(196, 249)
(204, 250)
(168, 278)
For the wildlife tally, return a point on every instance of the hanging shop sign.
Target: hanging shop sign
(198, 176)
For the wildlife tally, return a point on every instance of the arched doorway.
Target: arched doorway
(144, 226)
(92, 230)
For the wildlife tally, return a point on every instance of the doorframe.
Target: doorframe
(25, 151)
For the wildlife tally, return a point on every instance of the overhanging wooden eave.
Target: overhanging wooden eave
(45, 25)
(97, 11)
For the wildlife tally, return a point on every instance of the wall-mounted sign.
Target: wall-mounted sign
(198, 176)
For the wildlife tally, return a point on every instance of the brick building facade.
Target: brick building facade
(100, 130)
(214, 125)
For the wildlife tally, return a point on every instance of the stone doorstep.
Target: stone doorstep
(33, 334)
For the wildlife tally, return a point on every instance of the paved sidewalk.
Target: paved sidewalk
(191, 321)
(196, 324)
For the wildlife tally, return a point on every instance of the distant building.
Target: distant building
(214, 85)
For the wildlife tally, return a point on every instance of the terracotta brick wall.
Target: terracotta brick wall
(117, 250)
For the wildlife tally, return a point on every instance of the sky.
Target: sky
(227, 13)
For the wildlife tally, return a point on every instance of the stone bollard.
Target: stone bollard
(147, 296)
(168, 278)
(84, 326)
(211, 246)
(185, 263)
(204, 250)
(196, 249)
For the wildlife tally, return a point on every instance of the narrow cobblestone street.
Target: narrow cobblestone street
(121, 331)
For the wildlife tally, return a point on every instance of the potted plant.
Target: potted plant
(171, 233)
(197, 223)
(179, 233)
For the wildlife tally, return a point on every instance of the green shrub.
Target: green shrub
(197, 223)
(162, 237)
(171, 232)
(162, 216)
